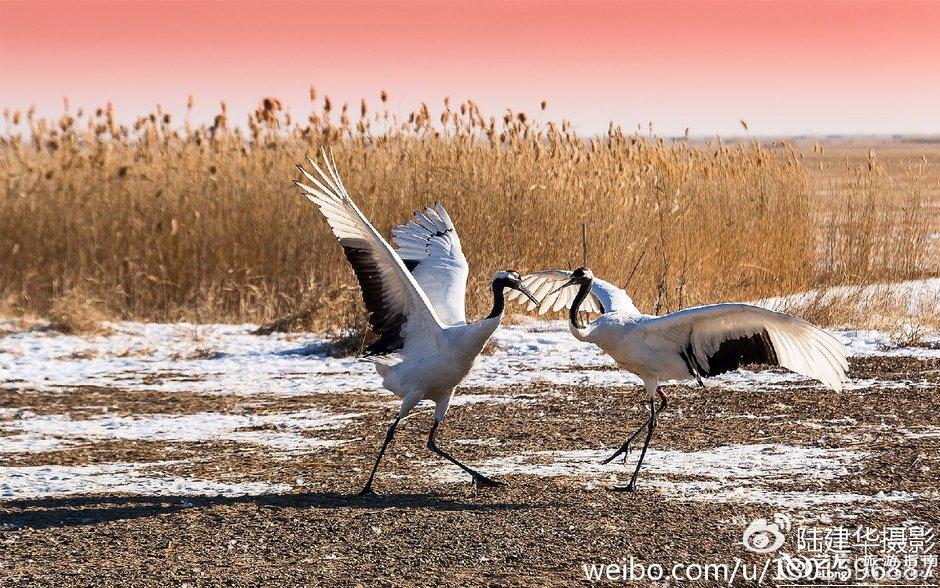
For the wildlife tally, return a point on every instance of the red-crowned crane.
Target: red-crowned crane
(688, 344)
(415, 298)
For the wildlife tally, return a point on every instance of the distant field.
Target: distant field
(164, 221)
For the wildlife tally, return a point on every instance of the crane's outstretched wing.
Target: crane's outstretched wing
(399, 311)
(430, 248)
(604, 296)
(719, 338)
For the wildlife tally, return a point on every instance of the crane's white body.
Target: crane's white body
(652, 347)
(432, 373)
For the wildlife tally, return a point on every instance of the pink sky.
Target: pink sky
(785, 67)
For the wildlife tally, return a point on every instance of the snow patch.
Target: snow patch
(127, 478)
(224, 359)
(916, 293)
(732, 473)
(282, 432)
(877, 343)
(459, 399)
(925, 432)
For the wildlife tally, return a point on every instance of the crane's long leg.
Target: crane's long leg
(649, 435)
(478, 478)
(625, 448)
(367, 490)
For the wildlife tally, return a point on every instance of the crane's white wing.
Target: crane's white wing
(399, 311)
(722, 337)
(604, 296)
(430, 248)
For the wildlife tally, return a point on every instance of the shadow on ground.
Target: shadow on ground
(89, 510)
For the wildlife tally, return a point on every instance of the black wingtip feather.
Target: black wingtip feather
(386, 322)
(733, 354)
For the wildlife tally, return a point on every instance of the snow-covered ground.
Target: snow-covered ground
(228, 359)
(282, 432)
(130, 478)
(913, 296)
(731, 473)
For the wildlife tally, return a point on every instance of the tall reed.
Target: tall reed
(170, 221)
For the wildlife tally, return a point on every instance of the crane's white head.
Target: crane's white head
(508, 275)
(580, 276)
(511, 279)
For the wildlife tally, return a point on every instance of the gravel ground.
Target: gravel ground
(429, 525)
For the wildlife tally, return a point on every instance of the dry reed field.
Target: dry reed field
(166, 221)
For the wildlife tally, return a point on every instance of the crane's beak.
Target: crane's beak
(570, 282)
(525, 291)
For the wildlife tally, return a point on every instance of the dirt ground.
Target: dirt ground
(430, 529)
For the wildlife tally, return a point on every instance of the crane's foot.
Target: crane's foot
(625, 448)
(631, 487)
(623, 453)
(367, 491)
(481, 481)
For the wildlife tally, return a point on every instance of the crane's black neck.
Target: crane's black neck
(575, 306)
(499, 300)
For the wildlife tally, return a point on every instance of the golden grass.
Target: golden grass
(173, 222)
(77, 312)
